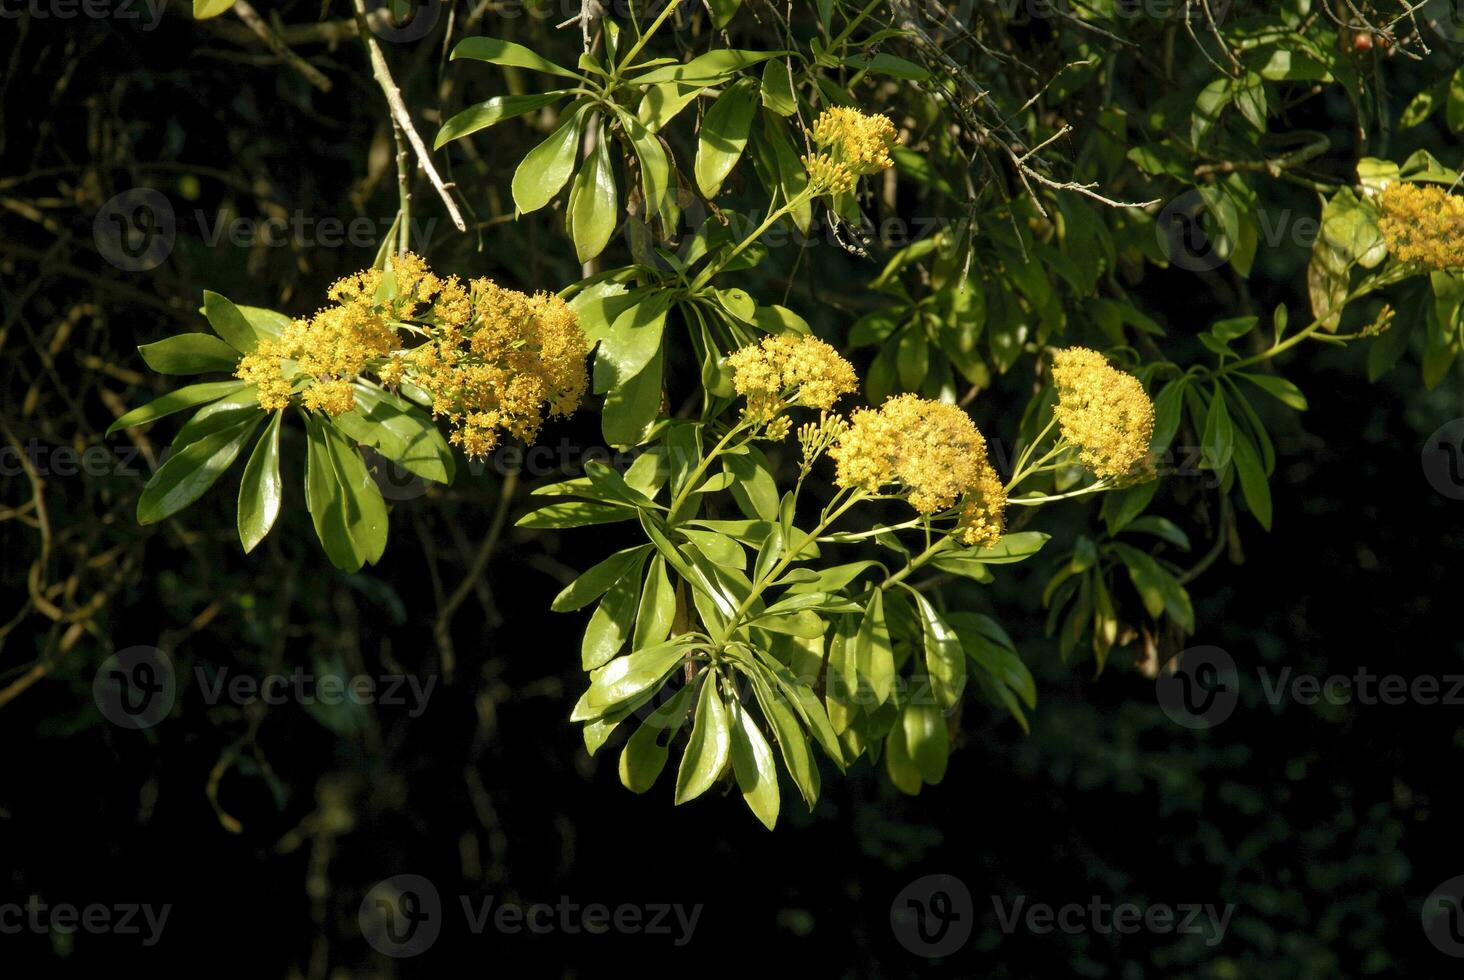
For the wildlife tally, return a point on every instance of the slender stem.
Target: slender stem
(1028, 449)
(707, 274)
(641, 41)
(701, 468)
(1057, 450)
(1050, 498)
(790, 552)
(849, 28)
(917, 561)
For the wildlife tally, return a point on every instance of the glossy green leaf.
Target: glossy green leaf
(753, 766)
(644, 755)
(723, 136)
(400, 431)
(500, 52)
(546, 168)
(192, 468)
(189, 353)
(594, 203)
(260, 491)
(597, 580)
(491, 113)
(230, 323)
(710, 745)
(177, 400)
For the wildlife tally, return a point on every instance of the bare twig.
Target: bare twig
(403, 118)
(267, 34)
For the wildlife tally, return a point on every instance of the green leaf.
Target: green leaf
(230, 323)
(627, 677)
(192, 468)
(755, 491)
(176, 401)
(575, 513)
(944, 658)
(707, 68)
(632, 408)
(499, 52)
(888, 64)
(709, 747)
(594, 203)
(657, 611)
(777, 88)
(656, 184)
(723, 11)
(493, 112)
(204, 9)
(723, 136)
(898, 765)
(1454, 108)
(598, 579)
(363, 511)
(1011, 548)
(1218, 441)
(661, 103)
(875, 653)
(1253, 484)
(260, 490)
(610, 625)
(926, 738)
(792, 742)
(1279, 388)
(753, 767)
(400, 431)
(644, 755)
(189, 353)
(544, 171)
(632, 342)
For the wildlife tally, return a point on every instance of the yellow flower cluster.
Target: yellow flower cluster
(335, 346)
(498, 359)
(786, 370)
(825, 176)
(858, 140)
(1102, 411)
(493, 359)
(1423, 225)
(851, 144)
(931, 449)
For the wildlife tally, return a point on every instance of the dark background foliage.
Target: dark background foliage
(264, 826)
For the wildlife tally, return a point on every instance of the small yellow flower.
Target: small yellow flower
(1423, 225)
(825, 176)
(1382, 323)
(789, 370)
(1102, 411)
(493, 359)
(858, 140)
(500, 359)
(932, 450)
